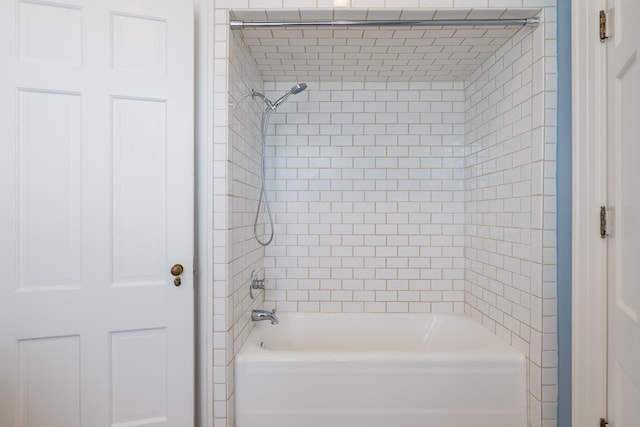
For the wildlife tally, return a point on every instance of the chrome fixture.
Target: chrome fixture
(258, 315)
(296, 89)
(270, 108)
(299, 87)
(256, 283)
(528, 22)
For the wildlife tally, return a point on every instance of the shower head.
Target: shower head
(299, 87)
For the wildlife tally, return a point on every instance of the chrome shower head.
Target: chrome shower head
(299, 87)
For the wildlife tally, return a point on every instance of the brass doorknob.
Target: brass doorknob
(177, 270)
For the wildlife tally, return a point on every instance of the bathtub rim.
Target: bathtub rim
(499, 351)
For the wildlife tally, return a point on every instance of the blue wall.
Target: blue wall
(564, 213)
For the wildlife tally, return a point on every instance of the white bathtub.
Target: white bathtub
(378, 370)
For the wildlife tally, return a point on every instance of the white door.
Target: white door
(624, 202)
(96, 206)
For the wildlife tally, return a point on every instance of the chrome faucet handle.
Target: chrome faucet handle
(274, 319)
(256, 283)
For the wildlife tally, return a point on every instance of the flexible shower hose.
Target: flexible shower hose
(266, 115)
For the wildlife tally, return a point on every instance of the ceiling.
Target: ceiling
(413, 53)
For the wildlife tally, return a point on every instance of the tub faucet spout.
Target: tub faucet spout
(258, 315)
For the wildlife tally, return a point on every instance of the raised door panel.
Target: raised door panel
(139, 43)
(50, 32)
(49, 187)
(49, 382)
(139, 377)
(139, 192)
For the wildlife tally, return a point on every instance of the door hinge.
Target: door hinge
(603, 26)
(603, 422)
(603, 222)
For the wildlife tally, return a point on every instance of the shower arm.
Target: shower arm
(271, 105)
(281, 99)
(299, 87)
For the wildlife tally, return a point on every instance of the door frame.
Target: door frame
(589, 190)
(203, 277)
(588, 193)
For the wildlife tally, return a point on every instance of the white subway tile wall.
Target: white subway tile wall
(245, 147)
(367, 183)
(237, 192)
(379, 200)
(507, 207)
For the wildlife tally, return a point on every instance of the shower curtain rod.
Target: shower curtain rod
(530, 22)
